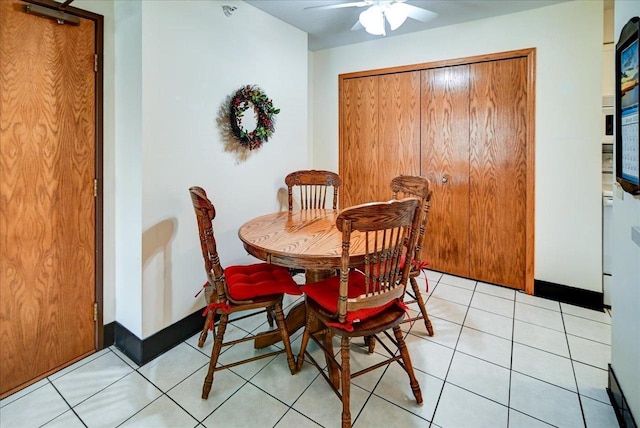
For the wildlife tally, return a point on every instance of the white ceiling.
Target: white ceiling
(332, 28)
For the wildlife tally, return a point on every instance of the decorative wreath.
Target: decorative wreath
(251, 96)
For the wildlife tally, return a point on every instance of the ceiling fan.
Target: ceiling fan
(395, 12)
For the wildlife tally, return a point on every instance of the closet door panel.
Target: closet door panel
(359, 140)
(399, 129)
(498, 171)
(445, 162)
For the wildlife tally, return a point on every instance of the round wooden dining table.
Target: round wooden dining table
(303, 239)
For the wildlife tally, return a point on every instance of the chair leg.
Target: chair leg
(423, 308)
(282, 326)
(215, 353)
(305, 340)
(205, 329)
(406, 359)
(270, 315)
(370, 342)
(346, 382)
(334, 371)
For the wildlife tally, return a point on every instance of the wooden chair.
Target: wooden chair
(419, 187)
(313, 185)
(257, 288)
(362, 304)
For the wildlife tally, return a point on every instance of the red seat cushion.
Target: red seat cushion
(325, 293)
(261, 279)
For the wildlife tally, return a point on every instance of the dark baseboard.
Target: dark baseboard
(109, 334)
(142, 351)
(571, 295)
(128, 343)
(619, 402)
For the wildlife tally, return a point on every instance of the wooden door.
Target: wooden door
(498, 171)
(398, 130)
(445, 162)
(476, 147)
(47, 204)
(380, 126)
(359, 140)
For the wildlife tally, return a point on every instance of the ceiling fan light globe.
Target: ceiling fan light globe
(396, 14)
(372, 20)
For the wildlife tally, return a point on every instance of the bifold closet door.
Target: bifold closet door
(380, 135)
(359, 140)
(399, 129)
(445, 162)
(498, 171)
(473, 127)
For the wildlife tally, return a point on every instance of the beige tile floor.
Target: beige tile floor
(499, 358)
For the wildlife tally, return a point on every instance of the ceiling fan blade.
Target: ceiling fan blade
(418, 13)
(341, 5)
(357, 26)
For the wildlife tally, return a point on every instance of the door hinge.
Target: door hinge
(95, 311)
(95, 62)
(95, 187)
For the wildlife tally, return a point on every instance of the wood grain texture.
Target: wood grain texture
(493, 56)
(445, 155)
(313, 187)
(380, 132)
(398, 131)
(498, 171)
(305, 239)
(47, 206)
(444, 121)
(358, 140)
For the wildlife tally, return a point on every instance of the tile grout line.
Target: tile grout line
(573, 369)
(166, 393)
(511, 370)
(406, 334)
(444, 381)
(565, 317)
(101, 389)
(70, 407)
(513, 336)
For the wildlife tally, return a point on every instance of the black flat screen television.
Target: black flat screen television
(627, 94)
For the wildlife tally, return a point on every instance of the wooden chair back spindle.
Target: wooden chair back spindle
(388, 234)
(312, 188)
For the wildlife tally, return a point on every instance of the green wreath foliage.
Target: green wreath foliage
(247, 97)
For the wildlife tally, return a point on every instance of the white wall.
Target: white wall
(625, 289)
(193, 58)
(128, 165)
(122, 148)
(169, 68)
(568, 38)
